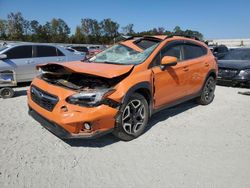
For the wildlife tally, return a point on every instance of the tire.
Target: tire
(207, 94)
(132, 118)
(6, 92)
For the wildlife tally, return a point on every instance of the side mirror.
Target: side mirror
(168, 61)
(3, 56)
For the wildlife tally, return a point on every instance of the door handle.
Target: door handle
(185, 68)
(29, 61)
(59, 59)
(206, 64)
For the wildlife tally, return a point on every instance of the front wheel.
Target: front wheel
(132, 119)
(207, 94)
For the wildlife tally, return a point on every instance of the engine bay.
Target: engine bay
(58, 75)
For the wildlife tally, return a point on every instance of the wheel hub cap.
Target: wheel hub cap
(133, 117)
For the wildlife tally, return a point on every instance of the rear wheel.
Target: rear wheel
(132, 119)
(207, 94)
(6, 92)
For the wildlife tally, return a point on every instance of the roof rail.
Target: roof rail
(151, 37)
(141, 37)
(187, 36)
(127, 38)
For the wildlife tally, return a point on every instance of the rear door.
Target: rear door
(20, 59)
(170, 84)
(45, 54)
(198, 63)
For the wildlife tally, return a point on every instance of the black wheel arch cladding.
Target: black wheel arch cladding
(143, 88)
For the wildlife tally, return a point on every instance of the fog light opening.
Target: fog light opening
(64, 109)
(87, 126)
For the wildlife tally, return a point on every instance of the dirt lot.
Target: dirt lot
(186, 146)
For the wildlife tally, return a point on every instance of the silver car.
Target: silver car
(23, 58)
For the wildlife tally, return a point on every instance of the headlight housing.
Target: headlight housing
(244, 72)
(89, 97)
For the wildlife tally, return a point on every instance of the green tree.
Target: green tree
(58, 30)
(16, 26)
(3, 29)
(91, 30)
(128, 29)
(78, 37)
(177, 30)
(109, 29)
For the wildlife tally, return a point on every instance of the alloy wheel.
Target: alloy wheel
(133, 117)
(209, 89)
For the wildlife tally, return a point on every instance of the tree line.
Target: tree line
(89, 31)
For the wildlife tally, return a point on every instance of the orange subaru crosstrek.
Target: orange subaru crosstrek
(118, 89)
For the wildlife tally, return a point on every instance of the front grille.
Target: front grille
(227, 73)
(43, 99)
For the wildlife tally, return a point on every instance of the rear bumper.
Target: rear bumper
(61, 132)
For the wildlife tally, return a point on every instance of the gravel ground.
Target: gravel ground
(186, 146)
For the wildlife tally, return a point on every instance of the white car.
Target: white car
(22, 58)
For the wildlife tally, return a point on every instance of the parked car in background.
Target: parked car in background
(234, 68)
(23, 58)
(219, 51)
(75, 51)
(18, 62)
(81, 49)
(118, 89)
(93, 50)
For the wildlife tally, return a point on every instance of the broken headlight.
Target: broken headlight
(90, 97)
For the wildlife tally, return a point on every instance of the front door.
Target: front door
(20, 59)
(171, 83)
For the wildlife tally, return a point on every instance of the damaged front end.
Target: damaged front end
(91, 90)
(7, 78)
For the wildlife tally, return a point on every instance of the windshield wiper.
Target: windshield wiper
(110, 62)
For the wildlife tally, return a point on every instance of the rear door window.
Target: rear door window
(19, 52)
(192, 51)
(46, 51)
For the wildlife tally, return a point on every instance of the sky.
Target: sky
(219, 19)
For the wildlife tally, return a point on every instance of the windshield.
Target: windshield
(120, 54)
(237, 54)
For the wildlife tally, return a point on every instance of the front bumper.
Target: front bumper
(233, 82)
(61, 132)
(69, 123)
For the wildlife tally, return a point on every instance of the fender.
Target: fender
(141, 85)
(212, 71)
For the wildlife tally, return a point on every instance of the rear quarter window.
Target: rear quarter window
(80, 48)
(59, 53)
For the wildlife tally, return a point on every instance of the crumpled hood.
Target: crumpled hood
(96, 69)
(234, 64)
